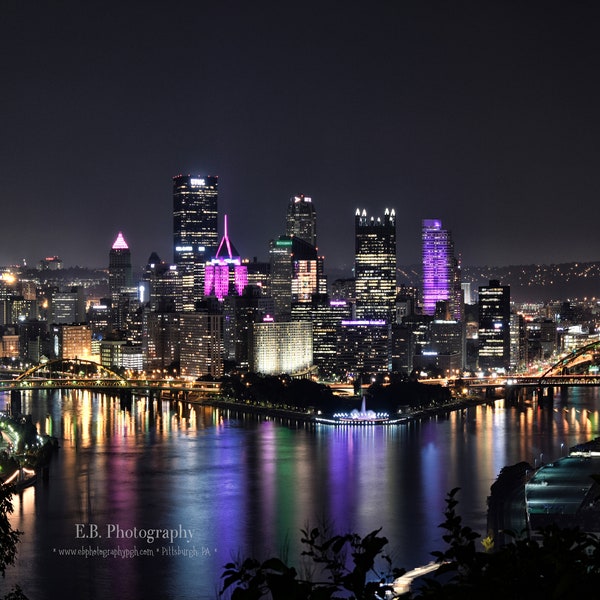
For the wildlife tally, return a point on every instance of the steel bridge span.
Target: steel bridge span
(88, 375)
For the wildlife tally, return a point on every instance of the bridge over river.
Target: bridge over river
(578, 368)
(89, 375)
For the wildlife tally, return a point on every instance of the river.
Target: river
(238, 485)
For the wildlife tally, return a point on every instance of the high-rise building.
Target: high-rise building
(161, 340)
(364, 347)
(326, 317)
(239, 315)
(441, 273)
(9, 344)
(295, 273)
(119, 266)
(494, 326)
(74, 341)
(68, 307)
(225, 274)
(517, 341)
(51, 263)
(201, 339)
(301, 219)
(160, 288)
(282, 347)
(195, 234)
(375, 265)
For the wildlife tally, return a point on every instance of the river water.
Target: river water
(237, 485)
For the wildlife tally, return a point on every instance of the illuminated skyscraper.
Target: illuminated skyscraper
(281, 347)
(225, 273)
(364, 347)
(119, 266)
(441, 274)
(160, 288)
(295, 273)
(494, 326)
(195, 235)
(375, 265)
(301, 219)
(201, 342)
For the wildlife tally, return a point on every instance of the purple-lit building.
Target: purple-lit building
(225, 273)
(441, 274)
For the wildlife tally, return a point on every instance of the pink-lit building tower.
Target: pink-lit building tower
(119, 266)
(225, 273)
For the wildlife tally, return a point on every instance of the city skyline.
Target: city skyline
(481, 115)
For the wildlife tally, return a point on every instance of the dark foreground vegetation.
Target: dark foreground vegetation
(9, 539)
(557, 564)
(304, 395)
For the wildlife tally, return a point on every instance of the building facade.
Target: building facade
(364, 348)
(301, 219)
(225, 274)
(441, 273)
(119, 266)
(375, 265)
(195, 234)
(494, 326)
(282, 348)
(201, 340)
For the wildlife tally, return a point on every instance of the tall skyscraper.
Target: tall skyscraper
(195, 234)
(441, 273)
(301, 220)
(225, 273)
(375, 265)
(494, 326)
(160, 288)
(119, 266)
(295, 273)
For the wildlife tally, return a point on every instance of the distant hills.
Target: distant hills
(528, 283)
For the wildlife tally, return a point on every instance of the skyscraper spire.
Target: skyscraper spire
(120, 243)
(225, 271)
(119, 266)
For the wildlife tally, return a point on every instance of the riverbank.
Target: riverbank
(25, 453)
(311, 417)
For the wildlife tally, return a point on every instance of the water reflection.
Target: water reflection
(246, 484)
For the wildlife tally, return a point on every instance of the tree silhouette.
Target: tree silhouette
(553, 564)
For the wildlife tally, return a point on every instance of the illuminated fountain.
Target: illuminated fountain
(363, 414)
(359, 417)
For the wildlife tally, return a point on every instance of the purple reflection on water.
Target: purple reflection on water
(248, 485)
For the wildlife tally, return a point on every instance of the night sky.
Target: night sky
(485, 114)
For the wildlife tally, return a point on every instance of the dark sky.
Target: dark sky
(485, 114)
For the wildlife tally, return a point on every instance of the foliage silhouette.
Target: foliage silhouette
(553, 564)
(343, 564)
(9, 539)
